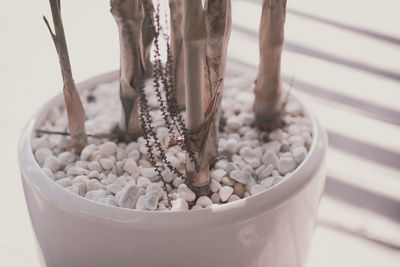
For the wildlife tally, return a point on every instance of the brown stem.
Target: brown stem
(195, 41)
(73, 104)
(176, 8)
(218, 25)
(268, 88)
(148, 33)
(129, 15)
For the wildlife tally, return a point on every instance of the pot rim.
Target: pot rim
(266, 201)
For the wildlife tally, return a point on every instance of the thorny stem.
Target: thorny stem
(73, 104)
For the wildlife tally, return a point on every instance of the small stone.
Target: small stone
(79, 189)
(166, 176)
(145, 163)
(92, 184)
(215, 186)
(238, 161)
(132, 146)
(93, 174)
(81, 179)
(278, 179)
(134, 154)
(238, 189)
(59, 175)
(82, 164)
(130, 166)
(242, 177)
(231, 145)
(204, 201)
(96, 194)
(143, 182)
(234, 123)
(108, 149)
(149, 173)
(155, 188)
(75, 171)
(143, 150)
(107, 164)
(121, 181)
(215, 198)
(299, 153)
(150, 200)
(286, 165)
(218, 174)
(233, 198)
(179, 205)
(87, 151)
(225, 192)
(48, 172)
(296, 139)
(162, 207)
(266, 172)
(177, 181)
(270, 157)
(108, 201)
(231, 167)
(139, 203)
(294, 129)
(276, 135)
(94, 166)
(66, 158)
(197, 207)
(42, 154)
(221, 164)
(227, 181)
(185, 193)
(253, 162)
(53, 163)
(129, 196)
(267, 182)
(113, 188)
(257, 188)
(274, 146)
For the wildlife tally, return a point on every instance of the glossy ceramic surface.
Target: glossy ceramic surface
(273, 228)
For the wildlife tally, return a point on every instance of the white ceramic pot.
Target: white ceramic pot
(273, 228)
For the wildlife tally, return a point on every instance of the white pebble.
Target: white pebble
(87, 152)
(149, 173)
(113, 188)
(197, 207)
(234, 123)
(231, 167)
(75, 171)
(267, 182)
(59, 175)
(204, 201)
(130, 166)
(108, 149)
(276, 135)
(66, 158)
(185, 193)
(52, 163)
(92, 184)
(215, 186)
(253, 162)
(257, 188)
(96, 194)
(166, 176)
(121, 181)
(299, 153)
(150, 200)
(233, 198)
(93, 174)
(242, 177)
(129, 196)
(215, 198)
(42, 154)
(270, 157)
(79, 189)
(227, 181)
(143, 182)
(225, 192)
(94, 166)
(266, 172)
(286, 164)
(218, 174)
(107, 164)
(134, 154)
(155, 188)
(179, 205)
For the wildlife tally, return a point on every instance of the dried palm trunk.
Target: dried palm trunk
(129, 15)
(73, 104)
(195, 41)
(268, 101)
(218, 25)
(176, 8)
(148, 32)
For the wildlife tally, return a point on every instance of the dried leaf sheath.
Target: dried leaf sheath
(194, 41)
(218, 25)
(129, 15)
(176, 8)
(73, 104)
(268, 101)
(148, 32)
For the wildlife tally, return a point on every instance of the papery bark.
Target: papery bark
(194, 41)
(176, 9)
(268, 88)
(148, 33)
(218, 25)
(129, 15)
(73, 104)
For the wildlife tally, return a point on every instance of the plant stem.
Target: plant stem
(73, 104)
(129, 15)
(195, 41)
(148, 32)
(268, 88)
(176, 8)
(218, 25)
